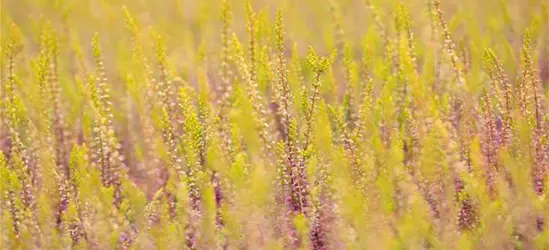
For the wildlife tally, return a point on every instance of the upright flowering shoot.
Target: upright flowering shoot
(105, 154)
(319, 66)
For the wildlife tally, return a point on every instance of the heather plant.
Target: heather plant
(313, 124)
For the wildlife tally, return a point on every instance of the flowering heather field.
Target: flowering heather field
(263, 124)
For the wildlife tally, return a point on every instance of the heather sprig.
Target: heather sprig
(319, 65)
(449, 44)
(226, 82)
(501, 84)
(530, 77)
(293, 160)
(106, 147)
(248, 74)
(19, 192)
